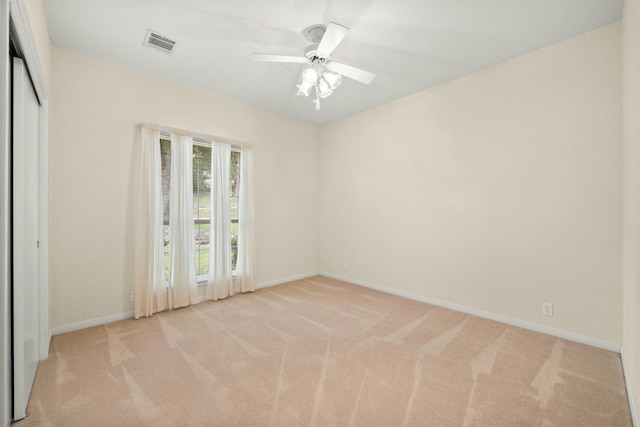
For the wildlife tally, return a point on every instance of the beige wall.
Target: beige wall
(631, 194)
(497, 191)
(40, 31)
(93, 158)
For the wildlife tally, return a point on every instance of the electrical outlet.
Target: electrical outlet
(346, 268)
(547, 309)
(333, 265)
(133, 296)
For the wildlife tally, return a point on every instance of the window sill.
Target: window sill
(202, 280)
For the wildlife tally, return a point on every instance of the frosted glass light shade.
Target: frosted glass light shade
(324, 89)
(309, 76)
(333, 79)
(309, 79)
(303, 88)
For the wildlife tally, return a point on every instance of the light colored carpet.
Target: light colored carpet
(323, 352)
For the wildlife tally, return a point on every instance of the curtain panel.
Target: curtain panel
(150, 287)
(183, 287)
(244, 266)
(219, 284)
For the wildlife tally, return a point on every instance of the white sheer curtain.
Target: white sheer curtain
(219, 283)
(245, 281)
(152, 291)
(183, 287)
(149, 282)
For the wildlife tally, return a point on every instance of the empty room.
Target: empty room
(327, 213)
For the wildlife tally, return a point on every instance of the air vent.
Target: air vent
(158, 41)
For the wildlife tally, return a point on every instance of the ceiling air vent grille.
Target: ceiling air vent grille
(156, 40)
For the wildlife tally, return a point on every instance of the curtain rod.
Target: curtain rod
(195, 134)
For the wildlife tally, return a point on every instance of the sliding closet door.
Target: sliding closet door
(26, 321)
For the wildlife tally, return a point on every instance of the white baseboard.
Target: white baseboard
(92, 322)
(286, 279)
(44, 352)
(485, 314)
(630, 395)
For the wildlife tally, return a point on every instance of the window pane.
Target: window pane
(235, 187)
(165, 160)
(201, 206)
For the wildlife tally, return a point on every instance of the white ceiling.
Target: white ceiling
(410, 44)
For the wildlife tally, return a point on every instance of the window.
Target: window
(201, 173)
(165, 160)
(194, 220)
(201, 207)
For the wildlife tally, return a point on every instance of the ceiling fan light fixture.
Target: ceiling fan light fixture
(319, 78)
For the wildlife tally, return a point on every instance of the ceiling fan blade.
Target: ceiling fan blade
(354, 73)
(265, 57)
(332, 37)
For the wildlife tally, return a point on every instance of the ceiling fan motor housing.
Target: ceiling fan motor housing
(312, 55)
(314, 33)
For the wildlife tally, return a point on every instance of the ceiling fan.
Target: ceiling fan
(323, 74)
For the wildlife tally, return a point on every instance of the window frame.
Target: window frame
(201, 142)
(202, 279)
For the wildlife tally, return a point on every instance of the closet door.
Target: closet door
(26, 319)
